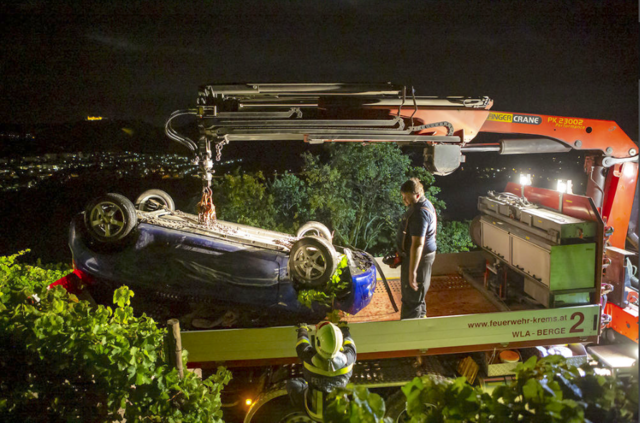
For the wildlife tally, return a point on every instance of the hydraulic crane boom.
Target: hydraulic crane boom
(577, 133)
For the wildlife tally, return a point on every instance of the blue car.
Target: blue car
(223, 274)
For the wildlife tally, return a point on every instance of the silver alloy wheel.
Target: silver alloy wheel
(314, 229)
(310, 262)
(107, 219)
(154, 199)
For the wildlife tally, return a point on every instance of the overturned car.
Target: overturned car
(223, 274)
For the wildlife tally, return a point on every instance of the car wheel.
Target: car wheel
(154, 199)
(312, 261)
(279, 410)
(314, 229)
(396, 407)
(110, 218)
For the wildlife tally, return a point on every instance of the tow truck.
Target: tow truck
(553, 267)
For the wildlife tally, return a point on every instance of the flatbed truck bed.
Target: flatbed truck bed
(461, 317)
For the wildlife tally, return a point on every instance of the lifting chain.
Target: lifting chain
(219, 146)
(206, 209)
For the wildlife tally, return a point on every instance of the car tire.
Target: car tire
(110, 218)
(314, 229)
(396, 407)
(279, 410)
(154, 199)
(312, 262)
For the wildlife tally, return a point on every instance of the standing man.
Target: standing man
(416, 241)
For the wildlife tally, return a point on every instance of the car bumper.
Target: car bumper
(363, 284)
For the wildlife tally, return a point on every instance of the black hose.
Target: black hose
(386, 286)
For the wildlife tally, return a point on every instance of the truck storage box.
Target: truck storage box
(555, 274)
(493, 366)
(496, 240)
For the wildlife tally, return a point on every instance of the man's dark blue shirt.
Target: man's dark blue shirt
(423, 222)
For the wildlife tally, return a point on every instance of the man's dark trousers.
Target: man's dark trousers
(413, 302)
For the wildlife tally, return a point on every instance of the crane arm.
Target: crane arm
(577, 133)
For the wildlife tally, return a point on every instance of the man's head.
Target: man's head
(411, 191)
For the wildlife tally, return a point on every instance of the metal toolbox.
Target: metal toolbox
(548, 224)
(566, 227)
(494, 367)
(555, 274)
(496, 205)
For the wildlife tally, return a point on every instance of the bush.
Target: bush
(356, 193)
(354, 404)
(546, 390)
(454, 237)
(63, 360)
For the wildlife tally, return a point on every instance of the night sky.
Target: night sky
(142, 60)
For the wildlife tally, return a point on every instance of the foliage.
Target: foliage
(30, 276)
(565, 393)
(357, 192)
(546, 390)
(354, 404)
(432, 399)
(244, 198)
(291, 198)
(454, 237)
(335, 286)
(63, 360)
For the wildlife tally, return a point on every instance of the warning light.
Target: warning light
(562, 187)
(248, 401)
(525, 179)
(565, 187)
(628, 169)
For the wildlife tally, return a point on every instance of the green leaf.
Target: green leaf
(531, 389)
(530, 363)
(142, 378)
(122, 296)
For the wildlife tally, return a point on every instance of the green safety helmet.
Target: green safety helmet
(328, 340)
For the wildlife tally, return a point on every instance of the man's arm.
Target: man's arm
(417, 245)
(303, 347)
(348, 345)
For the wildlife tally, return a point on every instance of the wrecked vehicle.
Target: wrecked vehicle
(224, 273)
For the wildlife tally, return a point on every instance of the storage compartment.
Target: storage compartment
(496, 240)
(556, 275)
(531, 259)
(494, 366)
(537, 291)
(580, 356)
